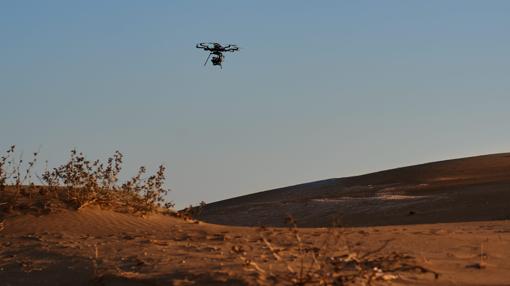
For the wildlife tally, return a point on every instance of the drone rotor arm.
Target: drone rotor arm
(203, 46)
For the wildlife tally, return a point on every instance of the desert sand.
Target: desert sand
(443, 223)
(460, 190)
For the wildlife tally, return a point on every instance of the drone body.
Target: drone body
(216, 51)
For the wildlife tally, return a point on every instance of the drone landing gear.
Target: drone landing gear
(207, 59)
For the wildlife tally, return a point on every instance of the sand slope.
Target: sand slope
(448, 218)
(95, 247)
(468, 189)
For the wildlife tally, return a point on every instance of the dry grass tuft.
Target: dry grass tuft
(333, 261)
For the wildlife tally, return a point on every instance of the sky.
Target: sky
(319, 89)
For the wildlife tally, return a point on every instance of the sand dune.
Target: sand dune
(96, 247)
(468, 189)
(441, 223)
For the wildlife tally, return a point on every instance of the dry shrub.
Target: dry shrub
(192, 213)
(145, 195)
(5, 162)
(332, 261)
(14, 174)
(80, 182)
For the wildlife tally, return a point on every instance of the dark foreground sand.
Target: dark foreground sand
(94, 247)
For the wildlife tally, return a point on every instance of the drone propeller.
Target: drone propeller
(204, 46)
(211, 46)
(231, 48)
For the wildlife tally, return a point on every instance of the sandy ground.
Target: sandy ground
(461, 190)
(95, 247)
(442, 223)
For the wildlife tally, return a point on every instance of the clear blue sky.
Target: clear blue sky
(320, 89)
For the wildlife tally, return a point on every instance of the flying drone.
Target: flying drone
(216, 51)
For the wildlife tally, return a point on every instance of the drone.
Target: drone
(216, 50)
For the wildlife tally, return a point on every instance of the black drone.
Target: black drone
(216, 50)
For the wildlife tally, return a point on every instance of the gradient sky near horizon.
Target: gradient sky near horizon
(320, 89)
